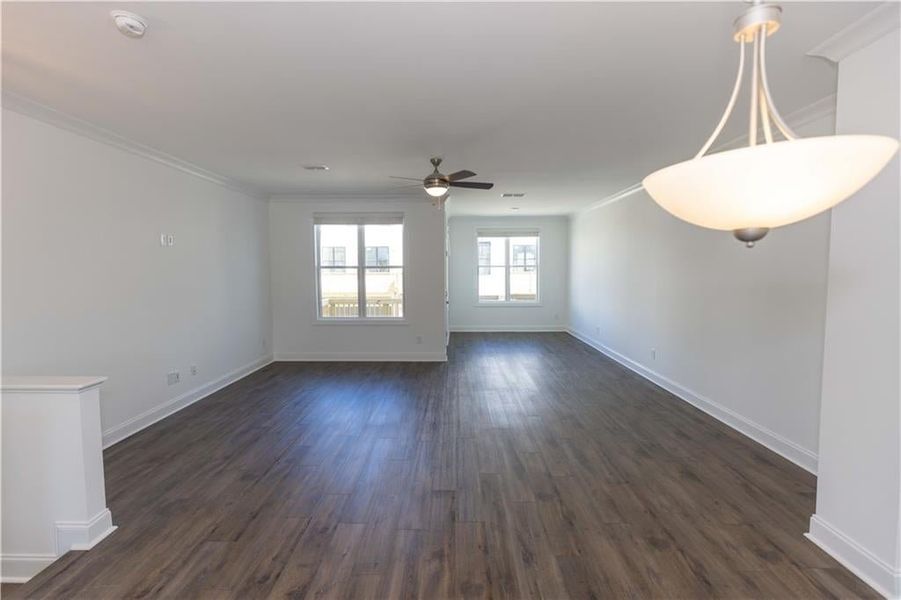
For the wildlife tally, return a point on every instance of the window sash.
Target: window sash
(362, 266)
(528, 264)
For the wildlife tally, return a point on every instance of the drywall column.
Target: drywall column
(858, 515)
(53, 491)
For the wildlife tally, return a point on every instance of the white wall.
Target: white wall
(737, 331)
(88, 290)
(296, 333)
(858, 505)
(552, 309)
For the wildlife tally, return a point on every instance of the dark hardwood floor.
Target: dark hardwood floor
(527, 466)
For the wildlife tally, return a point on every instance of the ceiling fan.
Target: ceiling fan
(436, 184)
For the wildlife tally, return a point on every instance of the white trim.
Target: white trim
(361, 321)
(46, 114)
(859, 34)
(615, 197)
(83, 535)
(37, 384)
(414, 197)
(69, 535)
(874, 571)
(19, 568)
(509, 329)
(804, 458)
(362, 357)
(507, 304)
(147, 418)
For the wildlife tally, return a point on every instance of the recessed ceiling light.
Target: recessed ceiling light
(130, 24)
(316, 167)
(513, 195)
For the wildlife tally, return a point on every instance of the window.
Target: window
(377, 256)
(508, 266)
(334, 256)
(359, 267)
(484, 258)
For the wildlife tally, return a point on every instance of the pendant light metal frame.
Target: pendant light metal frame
(754, 27)
(776, 181)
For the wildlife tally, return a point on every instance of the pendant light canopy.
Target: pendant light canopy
(750, 190)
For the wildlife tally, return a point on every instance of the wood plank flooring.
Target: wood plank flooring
(527, 466)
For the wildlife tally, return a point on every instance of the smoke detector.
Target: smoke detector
(130, 24)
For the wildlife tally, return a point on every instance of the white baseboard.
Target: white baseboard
(804, 458)
(70, 535)
(83, 535)
(19, 568)
(147, 418)
(509, 329)
(362, 357)
(878, 574)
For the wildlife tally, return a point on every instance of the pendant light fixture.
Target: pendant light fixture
(751, 190)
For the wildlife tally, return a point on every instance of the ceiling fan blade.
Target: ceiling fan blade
(464, 174)
(472, 184)
(407, 178)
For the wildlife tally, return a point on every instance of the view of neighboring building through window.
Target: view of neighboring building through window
(484, 258)
(334, 256)
(359, 266)
(508, 266)
(377, 256)
(524, 255)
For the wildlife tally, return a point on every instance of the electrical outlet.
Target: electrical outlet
(193, 369)
(418, 339)
(597, 330)
(653, 353)
(173, 377)
(162, 239)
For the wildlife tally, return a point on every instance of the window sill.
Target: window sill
(362, 321)
(504, 304)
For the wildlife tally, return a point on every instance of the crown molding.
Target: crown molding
(624, 193)
(862, 32)
(818, 109)
(41, 112)
(347, 197)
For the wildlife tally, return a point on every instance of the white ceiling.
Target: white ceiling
(567, 102)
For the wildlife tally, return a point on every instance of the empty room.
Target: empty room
(433, 300)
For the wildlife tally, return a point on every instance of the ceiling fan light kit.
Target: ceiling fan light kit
(437, 184)
(751, 190)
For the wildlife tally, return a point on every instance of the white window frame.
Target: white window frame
(360, 221)
(508, 263)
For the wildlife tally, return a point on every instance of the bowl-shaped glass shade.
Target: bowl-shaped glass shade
(769, 185)
(435, 188)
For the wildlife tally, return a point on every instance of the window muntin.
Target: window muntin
(373, 291)
(507, 267)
